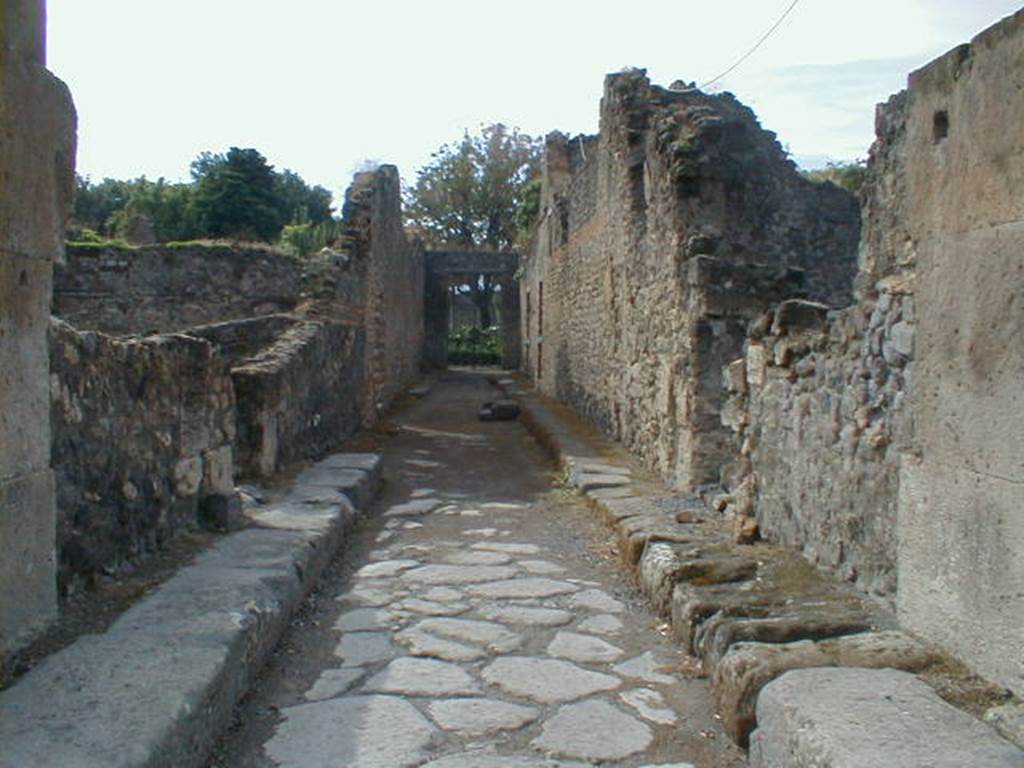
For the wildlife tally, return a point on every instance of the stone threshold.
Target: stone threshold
(758, 617)
(159, 686)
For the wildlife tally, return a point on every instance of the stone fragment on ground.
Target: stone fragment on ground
(582, 648)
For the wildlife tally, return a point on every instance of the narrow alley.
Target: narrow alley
(477, 618)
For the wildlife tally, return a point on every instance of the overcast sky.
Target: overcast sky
(319, 86)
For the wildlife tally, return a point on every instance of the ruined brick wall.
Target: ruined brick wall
(394, 285)
(142, 440)
(679, 195)
(158, 289)
(37, 157)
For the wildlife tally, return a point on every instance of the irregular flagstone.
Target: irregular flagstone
(594, 730)
(355, 731)
(414, 507)
(583, 648)
(478, 759)
(443, 594)
(361, 619)
(370, 595)
(650, 705)
(485, 532)
(547, 681)
(522, 588)
(502, 505)
(597, 600)
(479, 717)
(459, 574)
(526, 615)
(334, 682)
(385, 569)
(477, 558)
(430, 608)
(420, 643)
(424, 463)
(644, 667)
(541, 567)
(411, 525)
(410, 676)
(508, 547)
(494, 637)
(358, 648)
(602, 624)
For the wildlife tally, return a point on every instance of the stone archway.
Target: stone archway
(444, 267)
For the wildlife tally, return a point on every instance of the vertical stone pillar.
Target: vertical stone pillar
(37, 155)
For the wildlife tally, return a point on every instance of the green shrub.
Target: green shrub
(303, 239)
(475, 346)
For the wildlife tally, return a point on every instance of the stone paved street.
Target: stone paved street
(477, 620)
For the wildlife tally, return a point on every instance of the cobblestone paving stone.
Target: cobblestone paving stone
(472, 641)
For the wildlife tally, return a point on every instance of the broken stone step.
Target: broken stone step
(634, 534)
(366, 462)
(747, 667)
(692, 605)
(794, 622)
(854, 718)
(663, 565)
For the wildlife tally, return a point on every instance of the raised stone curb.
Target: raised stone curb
(750, 613)
(159, 686)
(848, 718)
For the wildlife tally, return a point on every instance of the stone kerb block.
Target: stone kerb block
(847, 718)
(748, 667)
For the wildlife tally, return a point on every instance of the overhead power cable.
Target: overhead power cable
(757, 45)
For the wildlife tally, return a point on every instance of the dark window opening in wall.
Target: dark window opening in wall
(637, 186)
(540, 360)
(940, 126)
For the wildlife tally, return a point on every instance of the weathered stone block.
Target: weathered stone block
(840, 718)
(748, 667)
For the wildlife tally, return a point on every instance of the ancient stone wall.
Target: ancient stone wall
(645, 230)
(37, 155)
(885, 440)
(143, 433)
(158, 289)
(394, 285)
(301, 396)
(961, 499)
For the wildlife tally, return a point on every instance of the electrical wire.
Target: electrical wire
(757, 45)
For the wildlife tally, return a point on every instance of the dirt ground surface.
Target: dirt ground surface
(478, 618)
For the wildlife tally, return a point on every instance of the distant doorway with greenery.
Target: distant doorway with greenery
(475, 346)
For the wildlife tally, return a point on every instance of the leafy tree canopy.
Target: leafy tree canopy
(470, 193)
(234, 194)
(849, 176)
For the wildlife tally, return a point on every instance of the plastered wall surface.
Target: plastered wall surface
(37, 155)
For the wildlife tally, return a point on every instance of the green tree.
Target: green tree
(303, 204)
(168, 206)
(471, 195)
(849, 176)
(96, 204)
(237, 195)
